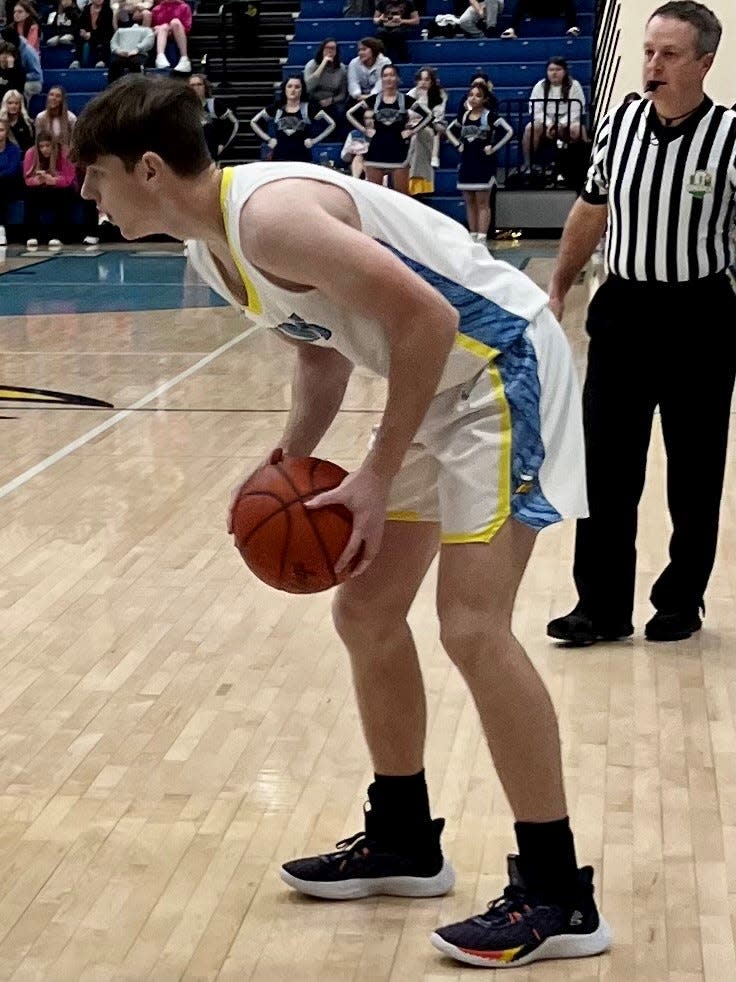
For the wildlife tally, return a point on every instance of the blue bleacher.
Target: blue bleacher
(505, 75)
(333, 8)
(438, 51)
(309, 27)
(514, 66)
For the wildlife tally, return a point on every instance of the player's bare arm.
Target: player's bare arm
(320, 378)
(318, 385)
(325, 250)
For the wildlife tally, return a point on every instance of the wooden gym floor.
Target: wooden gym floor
(171, 730)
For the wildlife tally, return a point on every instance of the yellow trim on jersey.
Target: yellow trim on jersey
(503, 511)
(404, 516)
(254, 301)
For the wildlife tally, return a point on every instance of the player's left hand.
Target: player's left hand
(365, 494)
(488, 151)
(308, 143)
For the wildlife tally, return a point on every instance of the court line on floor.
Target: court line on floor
(54, 458)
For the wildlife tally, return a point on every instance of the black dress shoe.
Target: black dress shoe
(674, 626)
(578, 629)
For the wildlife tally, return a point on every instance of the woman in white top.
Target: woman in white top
(556, 106)
(364, 71)
(56, 117)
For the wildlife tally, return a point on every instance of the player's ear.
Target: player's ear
(151, 167)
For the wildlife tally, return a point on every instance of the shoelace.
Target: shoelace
(511, 904)
(356, 846)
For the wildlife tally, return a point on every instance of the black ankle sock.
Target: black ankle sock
(401, 799)
(547, 858)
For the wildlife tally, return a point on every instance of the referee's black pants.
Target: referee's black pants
(673, 347)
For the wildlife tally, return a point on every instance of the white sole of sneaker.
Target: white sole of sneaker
(391, 886)
(560, 946)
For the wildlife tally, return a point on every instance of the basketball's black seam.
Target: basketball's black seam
(300, 498)
(266, 494)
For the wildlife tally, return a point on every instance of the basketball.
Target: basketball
(286, 545)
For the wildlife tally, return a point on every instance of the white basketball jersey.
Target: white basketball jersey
(496, 302)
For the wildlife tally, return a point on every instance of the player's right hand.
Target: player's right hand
(272, 144)
(274, 457)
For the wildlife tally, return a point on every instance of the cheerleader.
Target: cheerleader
(388, 151)
(292, 118)
(477, 128)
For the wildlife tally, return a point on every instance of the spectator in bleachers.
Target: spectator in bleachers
(57, 118)
(130, 46)
(556, 105)
(172, 18)
(30, 61)
(326, 79)
(66, 24)
(364, 71)
(480, 135)
(13, 111)
(220, 129)
(11, 175)
(25, 23)
(292, 118)
(388, 152)
(543, 8)
(481, 18)
(95, 34)
(424, 149)
(12, 75)
(394, 19)
(50, 178)
(357, 143)
(139, 12)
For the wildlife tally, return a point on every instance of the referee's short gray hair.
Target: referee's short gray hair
(701, 17)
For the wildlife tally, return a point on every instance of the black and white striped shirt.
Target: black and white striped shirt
(670, 192)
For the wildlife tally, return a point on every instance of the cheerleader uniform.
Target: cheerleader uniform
(477, 169)
(291, 129)
(388, 150)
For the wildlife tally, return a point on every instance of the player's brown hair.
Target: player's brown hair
(140, 114)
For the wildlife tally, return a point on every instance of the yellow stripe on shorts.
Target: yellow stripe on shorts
(503, 510)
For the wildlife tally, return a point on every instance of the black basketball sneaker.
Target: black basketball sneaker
(518, 928)
(376, 861)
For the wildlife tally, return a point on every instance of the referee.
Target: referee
(662, 330)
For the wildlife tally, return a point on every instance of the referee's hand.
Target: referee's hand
(557, 306)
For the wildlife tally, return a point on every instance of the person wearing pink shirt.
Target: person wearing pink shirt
(50, 179)
(172, 18)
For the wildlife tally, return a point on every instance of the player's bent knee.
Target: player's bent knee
(358, 622)
(468, 637)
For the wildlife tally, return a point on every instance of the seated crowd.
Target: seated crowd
(39, 186)
(391, 134)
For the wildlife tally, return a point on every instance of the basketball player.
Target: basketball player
(479, 448)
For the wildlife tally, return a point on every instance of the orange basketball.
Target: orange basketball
(286, 545)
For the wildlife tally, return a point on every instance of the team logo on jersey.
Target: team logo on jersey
(387, 115)
(700, 184)
(297, 329)
(471, 132)
(290, 125)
